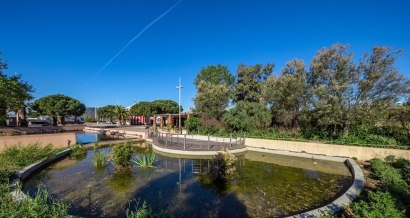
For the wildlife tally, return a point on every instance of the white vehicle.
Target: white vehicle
(39, 120)
(73, 120)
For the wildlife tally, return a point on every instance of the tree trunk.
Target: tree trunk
(346, 129)
(54, 121)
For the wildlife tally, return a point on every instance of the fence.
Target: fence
(196, 142)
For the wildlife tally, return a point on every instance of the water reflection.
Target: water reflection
(191, 188)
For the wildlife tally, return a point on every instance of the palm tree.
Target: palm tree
(121, 113)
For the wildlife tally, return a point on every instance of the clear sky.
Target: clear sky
(67, 46)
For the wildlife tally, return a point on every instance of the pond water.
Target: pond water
(263, 185)
(89, 137)
(86, 137)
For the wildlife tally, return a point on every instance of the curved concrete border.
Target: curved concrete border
(15, 192)
(345, 199)
(332, 207)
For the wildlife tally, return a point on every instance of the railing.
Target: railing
(195, 142)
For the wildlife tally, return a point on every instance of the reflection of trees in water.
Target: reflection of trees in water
(36, 182)
(121, 180)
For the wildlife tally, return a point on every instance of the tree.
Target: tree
(215, 75)
(14, 93)
(211, 100)
(165, 107)
(287, 94)
(214, 90)
(330, 79)
(250, 81)
(248, 116)
(106, 112)
(58, 106)
(120, 113)
(379, 84)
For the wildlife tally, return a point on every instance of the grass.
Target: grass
(42, 205)
(100, 159)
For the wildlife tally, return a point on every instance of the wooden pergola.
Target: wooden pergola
(171, 118)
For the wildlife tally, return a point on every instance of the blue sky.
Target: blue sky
(65, 46)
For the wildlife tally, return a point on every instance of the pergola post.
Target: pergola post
(155, 123)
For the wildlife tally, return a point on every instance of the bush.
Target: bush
(403, 166)
(18, 156)
(380, 204)
(121, 154)
(77, 151)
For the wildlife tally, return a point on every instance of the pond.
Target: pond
(89, 137)
(263, 185)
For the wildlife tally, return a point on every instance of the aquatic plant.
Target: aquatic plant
(77, 151)
(121, 154)
(224, 166)
(95, 145)
(145, 160)
(121, 180)
(100, 159)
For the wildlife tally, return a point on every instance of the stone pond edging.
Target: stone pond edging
(361, 153)
(15, 192)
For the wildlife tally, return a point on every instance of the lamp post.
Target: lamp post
(179, 87)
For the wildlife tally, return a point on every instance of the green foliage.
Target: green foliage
(120, 113)
(248, 116)
(100, 159)
(58, 106)
(144, 211)
(224, 166)
(144, 108)
(14, 92)
(78, 151)
(379, 204)
(287, 94)
(193, 124)
(215, 75)
(403, 166)
(250, 81)
(88, 118)
(211, 100)
(121, 180)
(42, 205)
(121, 154)
(106, 112)
(144, 160)
(165, 107)
(15, 157)
(392, 182)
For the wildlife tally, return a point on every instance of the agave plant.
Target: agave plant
(144, 160)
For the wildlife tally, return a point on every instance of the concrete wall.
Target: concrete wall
(361, 153)
(57, 139)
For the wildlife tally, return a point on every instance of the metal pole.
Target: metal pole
(230, 140)
(184, 141)
(179, 87)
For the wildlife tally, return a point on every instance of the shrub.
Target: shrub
(403, 166)
(15, 157)
(77, 151)
(224, 165)
(380, 204)
(121, 154)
